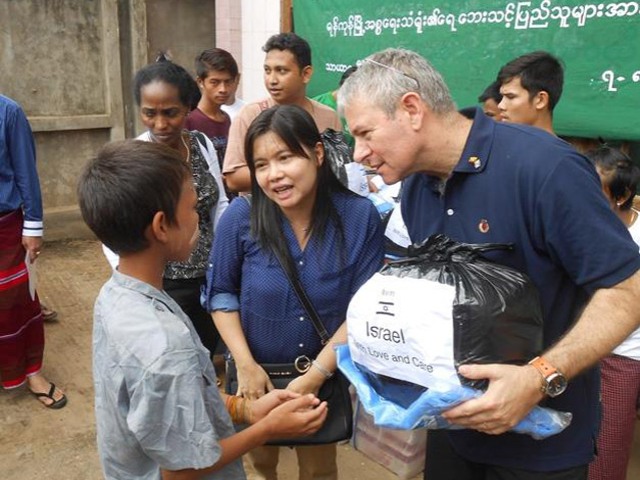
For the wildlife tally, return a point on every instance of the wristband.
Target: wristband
(239, 409)
(246, 411)
(326, 373)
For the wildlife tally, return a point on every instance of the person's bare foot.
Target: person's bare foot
(48, 394)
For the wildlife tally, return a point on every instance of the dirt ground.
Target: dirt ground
(37, 443)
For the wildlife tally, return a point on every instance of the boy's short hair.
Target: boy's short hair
(298, 46)
(491, 92)
(124, 186)
(347, 73)
(538, 71)
(215, 59)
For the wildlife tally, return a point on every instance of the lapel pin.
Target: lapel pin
(475, 161)
(483, 226)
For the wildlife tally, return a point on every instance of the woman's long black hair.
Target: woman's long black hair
(297, 129)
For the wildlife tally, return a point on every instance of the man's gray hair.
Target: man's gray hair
(384, 77)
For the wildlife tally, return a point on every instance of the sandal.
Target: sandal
(56, 403)
(48, 315)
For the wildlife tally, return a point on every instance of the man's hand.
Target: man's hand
(253, 381)
(296, 418)
(32, 245)
(261, 407)
(513, 391)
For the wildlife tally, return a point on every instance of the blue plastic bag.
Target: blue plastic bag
(426, 410)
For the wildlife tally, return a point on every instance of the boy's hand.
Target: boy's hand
(261, 407)
(253, 381)
(296, 418)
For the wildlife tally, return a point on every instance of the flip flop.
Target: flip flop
(48, 315)
(56, 403)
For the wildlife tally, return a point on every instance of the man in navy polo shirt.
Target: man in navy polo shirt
(479, 181)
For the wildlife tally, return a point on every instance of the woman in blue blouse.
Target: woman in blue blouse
(328, 235)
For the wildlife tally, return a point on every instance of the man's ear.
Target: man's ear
(159, 227)
(412, 104)
(541, 100)
(306, 73)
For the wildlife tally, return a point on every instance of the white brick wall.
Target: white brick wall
(242, 28)
(259, 19)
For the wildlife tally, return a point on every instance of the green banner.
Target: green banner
(469, 40)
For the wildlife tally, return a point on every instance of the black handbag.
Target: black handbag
(335, 390)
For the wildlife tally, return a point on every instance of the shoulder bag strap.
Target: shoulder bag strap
(202, 141)
(306, 303)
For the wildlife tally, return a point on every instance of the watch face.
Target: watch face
(556, 384)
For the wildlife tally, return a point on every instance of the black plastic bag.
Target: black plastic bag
(338, 152)
(496, 311)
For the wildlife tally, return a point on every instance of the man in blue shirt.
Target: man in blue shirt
(20, 187)
(480, 181)
(21, 330)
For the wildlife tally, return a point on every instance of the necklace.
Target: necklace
(188, 159)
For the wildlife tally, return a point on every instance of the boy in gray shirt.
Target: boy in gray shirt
(159, 413)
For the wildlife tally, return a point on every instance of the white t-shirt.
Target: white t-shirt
(233, 109)
(631, 346)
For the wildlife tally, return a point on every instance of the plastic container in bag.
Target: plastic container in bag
(400, 451)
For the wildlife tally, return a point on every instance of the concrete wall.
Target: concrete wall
(69, 63)
(58, 62)
(183, 28)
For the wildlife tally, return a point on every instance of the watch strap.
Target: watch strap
(545, 369)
